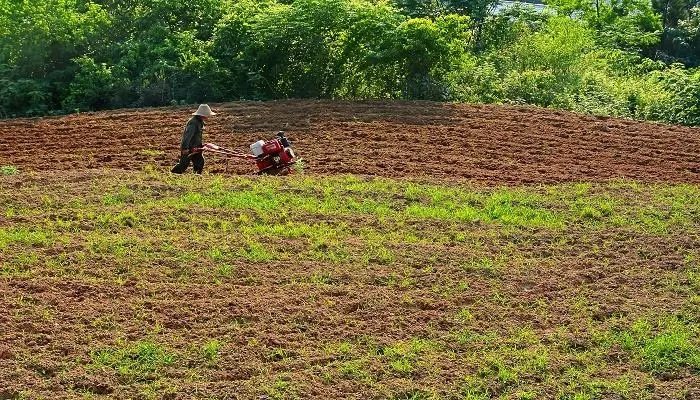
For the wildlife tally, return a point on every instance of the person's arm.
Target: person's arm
(190, 130)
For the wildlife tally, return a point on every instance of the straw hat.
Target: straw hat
(204, 111)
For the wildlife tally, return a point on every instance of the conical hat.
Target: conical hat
(204, 111)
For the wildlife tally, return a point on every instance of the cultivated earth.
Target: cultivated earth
(426, 251)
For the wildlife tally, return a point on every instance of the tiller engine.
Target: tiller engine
(272, 157)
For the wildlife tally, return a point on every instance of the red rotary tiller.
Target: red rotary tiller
(272, 157)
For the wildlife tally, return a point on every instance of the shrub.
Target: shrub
(532, 87)
(94, 87)
(23, 97)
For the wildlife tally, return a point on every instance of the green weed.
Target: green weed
(353, 369)
(277, 354)
(414, 394)
(464, 316)
(151, 152)
(321, 279)
(281, 388)
(140, 361)
(210, 350)
(8, 170)
(403, 356)
(225, 271)
(665, 348)
(484, 265)
(255, 252)
(122, 196)
(24, 236)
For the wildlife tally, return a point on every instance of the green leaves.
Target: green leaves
(593, 57)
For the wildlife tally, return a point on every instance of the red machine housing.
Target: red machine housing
(277, 157)
(272, 157)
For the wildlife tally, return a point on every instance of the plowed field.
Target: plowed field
(491, 144)
(508, 262)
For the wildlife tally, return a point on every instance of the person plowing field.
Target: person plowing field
(271, 157)
(191, 145)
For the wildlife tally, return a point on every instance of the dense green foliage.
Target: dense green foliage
(632, 58)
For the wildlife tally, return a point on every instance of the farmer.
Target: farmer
(190, 147)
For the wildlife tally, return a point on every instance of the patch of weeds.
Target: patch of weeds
(692, 271)
(299, 166)
(484, 266)
(396, 280)
(277, 354)
(663, 349)
(8, 170)
(333, 252)
(281, 388)
(353, 369)
(321, 279)
(123, 196)
(519, 208)
(526, 395)
(470, 337)
(256, 252)
(474, 388)
(120, 246)
(210, 350)
(498, 370)
(19, 265)
(378, 254)
(104, 322)
(225, 270)
(464, 316)
(151, 152)
(24, 237)
(531, 363)
(593, 209)
(216, 254)
(124, 219)
(403, 356)
(142, 361)
(161, 389)
(581, 384)
(402, 366)
(342, 350)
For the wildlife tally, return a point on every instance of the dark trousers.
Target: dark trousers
(197, 160)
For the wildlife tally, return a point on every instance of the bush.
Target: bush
(532, 87)
(601, 94)
(23, 97)
(94, 87)
(671, 95)
(475, 81)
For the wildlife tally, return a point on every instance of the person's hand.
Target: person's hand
(185, 152)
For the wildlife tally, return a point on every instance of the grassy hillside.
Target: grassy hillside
(149, 286)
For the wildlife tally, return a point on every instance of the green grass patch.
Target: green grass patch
(151, 152)
(8, 170)
(498, 281)
(135, 362)
(665, 347)
(402, 357)
(211, 350)
(28, 237)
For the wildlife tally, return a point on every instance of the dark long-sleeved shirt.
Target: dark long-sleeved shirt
(192, 137)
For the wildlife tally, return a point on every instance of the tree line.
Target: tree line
(631, 58)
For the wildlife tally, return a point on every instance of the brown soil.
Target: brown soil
(567, 287)
(489, 144)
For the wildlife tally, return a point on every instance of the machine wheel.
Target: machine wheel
(276, 171)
